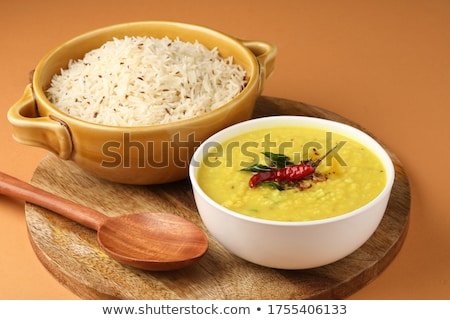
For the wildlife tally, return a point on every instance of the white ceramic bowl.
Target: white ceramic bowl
(291, 245)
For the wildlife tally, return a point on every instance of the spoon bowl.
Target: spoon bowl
(172, 243)
(148, 241)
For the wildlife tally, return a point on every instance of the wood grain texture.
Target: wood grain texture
(70, 251)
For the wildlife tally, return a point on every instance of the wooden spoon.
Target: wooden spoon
(149, 241)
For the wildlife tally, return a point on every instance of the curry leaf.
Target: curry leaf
(273, 184)
(279, 160)
(257, 168)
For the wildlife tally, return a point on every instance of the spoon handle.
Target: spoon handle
(16, 188)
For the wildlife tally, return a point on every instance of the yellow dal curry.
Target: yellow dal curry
(354, 175)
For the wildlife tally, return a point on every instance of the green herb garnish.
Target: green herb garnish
(278, 160)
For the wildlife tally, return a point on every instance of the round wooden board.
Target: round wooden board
(70, 251)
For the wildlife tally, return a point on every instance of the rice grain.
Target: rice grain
(139, 81)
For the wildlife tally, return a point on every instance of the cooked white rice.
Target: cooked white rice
(145, 81)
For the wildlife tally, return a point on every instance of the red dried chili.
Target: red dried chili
(289, 173)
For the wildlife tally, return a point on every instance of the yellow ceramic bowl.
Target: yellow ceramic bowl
(143, 154)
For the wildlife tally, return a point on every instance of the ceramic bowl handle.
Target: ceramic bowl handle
(46, 132)
(265, 54)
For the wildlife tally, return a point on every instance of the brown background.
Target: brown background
(382, 64)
